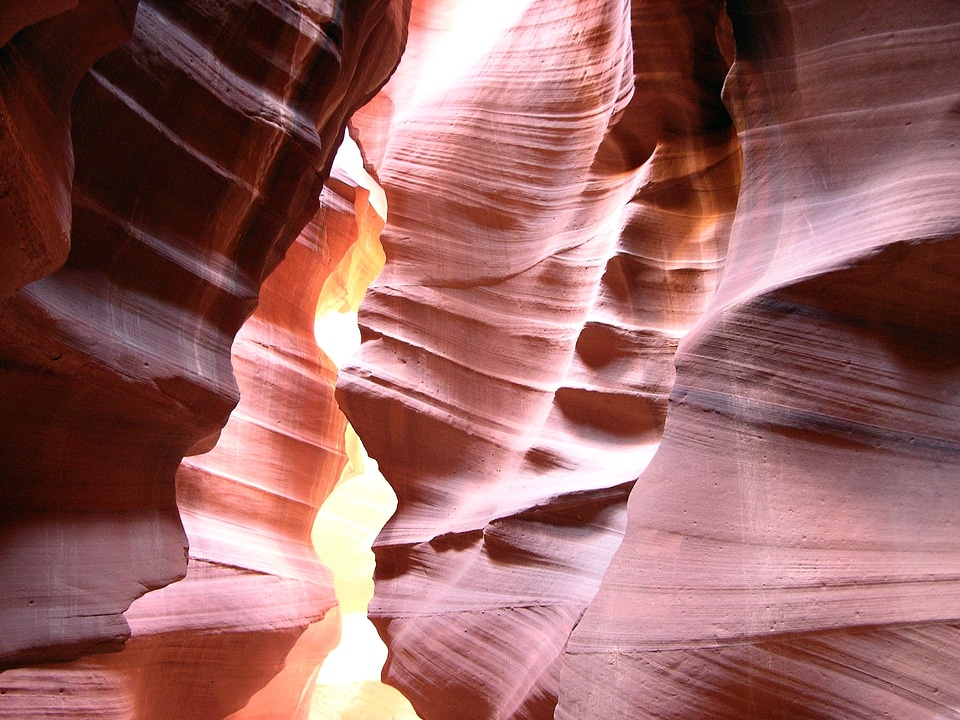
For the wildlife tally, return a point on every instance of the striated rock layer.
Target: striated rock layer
(200, 147)
(243, 635)
(46, 46)
(561, 179)
(793, 551)
(568, 225)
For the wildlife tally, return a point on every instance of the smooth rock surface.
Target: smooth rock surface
(46, 46)
(243, 635)
(750, 208)
(560, 197)
(792, 551)
(201, 147)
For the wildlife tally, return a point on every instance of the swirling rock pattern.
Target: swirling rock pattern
(568, 225)
(792, 551)
(560, 200)
(45, 48)
(201, 147)
(243, 635)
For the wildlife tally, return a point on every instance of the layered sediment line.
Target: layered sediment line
(201, 147)
(791, 551)
(560, 201)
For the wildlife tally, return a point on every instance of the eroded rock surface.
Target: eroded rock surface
(567, 226)
(201, 147)
(45, 48)
(560, 189)
(792, 551)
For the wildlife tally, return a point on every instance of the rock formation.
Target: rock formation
(795, 527)
(699, 253)
(201, 147)
(793, 551)
(552, 233)
(56, 43)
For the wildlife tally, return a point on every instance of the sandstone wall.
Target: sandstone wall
(561, 178)
(792, 551)
(559, 226)
(200, 150)
(705, 251)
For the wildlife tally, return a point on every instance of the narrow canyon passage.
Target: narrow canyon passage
(658, 327)
(184, 176)
(351, 516)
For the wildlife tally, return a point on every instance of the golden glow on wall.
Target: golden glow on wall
(348, 685)
(336, 321)
(349, 682)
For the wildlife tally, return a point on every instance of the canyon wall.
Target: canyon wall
(561, 178)
(793, 551)
(557, 225)
(154, 195)
(703, 254)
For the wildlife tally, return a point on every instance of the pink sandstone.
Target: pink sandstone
(558, 213)
(792, 551)
(200, 147)
(703, 250)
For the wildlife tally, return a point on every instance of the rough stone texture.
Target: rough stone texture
(793, 549)
(201, 147)
(559, 208)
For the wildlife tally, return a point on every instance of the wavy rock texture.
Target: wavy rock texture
(56, 43)
(560, 199)
(792, 551)
(562, 178)
(201, 148)
(244, 633)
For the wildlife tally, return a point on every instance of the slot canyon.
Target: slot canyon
(648, 312)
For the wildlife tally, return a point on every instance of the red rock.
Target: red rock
(553, 229)
(201, 147)
(243, 635)
(571, 241)
(45, 48)
(791, 552)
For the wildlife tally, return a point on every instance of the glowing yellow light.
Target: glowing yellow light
(346, 526)
(348, 684)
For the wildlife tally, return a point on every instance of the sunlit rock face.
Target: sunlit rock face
(561, 178)
(200, 148)
(243, 635)
(793, 550)
(569, 245)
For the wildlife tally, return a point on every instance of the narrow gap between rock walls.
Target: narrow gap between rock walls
(348, 685)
